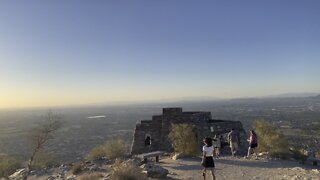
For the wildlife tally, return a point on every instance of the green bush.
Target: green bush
(127, 170)
(183, 139)
(111, 149)
(271, 140)
(43, 160)
(8, 165)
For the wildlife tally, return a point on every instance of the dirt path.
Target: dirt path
(239, 168)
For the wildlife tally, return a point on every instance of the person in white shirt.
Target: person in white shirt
(207, 159)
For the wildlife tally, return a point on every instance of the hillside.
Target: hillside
(190, 169)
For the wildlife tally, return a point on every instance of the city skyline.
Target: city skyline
(57, 53)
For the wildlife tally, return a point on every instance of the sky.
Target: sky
(56, 53)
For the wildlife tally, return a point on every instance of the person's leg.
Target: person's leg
(255, 151)
(204, 173)
(235, 148)
(218, 152)
(232, 149)
(249, 152)
(212, 173)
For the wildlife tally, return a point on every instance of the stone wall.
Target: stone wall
(159, 127)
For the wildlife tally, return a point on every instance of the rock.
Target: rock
(72, 177)
(176, 156)
(297, 169)
(154, 171)
(93, 168)
(19, 174)
(134, 161)
(50, 178)
(316, 171)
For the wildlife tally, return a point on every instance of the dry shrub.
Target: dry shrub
(8, 165)
(127, 171)
(43, 160)
(183, 139)
(97, 153)
(271, 139)
(116, 148)
(76, 168)
(112, 149)
(91, 176)
(297, 154)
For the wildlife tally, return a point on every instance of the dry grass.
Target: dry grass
(91, 176)
(8, 165)
(127, 171)
(76, 168)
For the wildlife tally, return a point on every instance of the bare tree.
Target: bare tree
(42, 134)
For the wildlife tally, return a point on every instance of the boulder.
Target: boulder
(154, 171)
(316, 171)
(19, 174)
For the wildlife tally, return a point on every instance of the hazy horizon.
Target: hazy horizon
(66, 53)
(165, 102)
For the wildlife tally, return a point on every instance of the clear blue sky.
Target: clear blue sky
(77, 52)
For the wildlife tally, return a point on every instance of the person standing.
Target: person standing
(217, 145)
(253, 144)
(233, 139)
(207, 158)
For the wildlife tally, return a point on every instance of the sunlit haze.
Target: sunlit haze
(55, 53)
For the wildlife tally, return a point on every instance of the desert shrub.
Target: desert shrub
(76, 168)
(8, 165)
(116, 148)
(91, 176)
(97, 153)
(271, 139)
(43, 160)
(112, 149)
(183, 139)
(127, 170)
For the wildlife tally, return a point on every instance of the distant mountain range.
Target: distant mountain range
(209, 98)
(286, 95)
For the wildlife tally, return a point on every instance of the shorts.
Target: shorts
(253, 145)
(209, 163)
(234, 145)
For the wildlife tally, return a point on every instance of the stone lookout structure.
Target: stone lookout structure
(152, 135)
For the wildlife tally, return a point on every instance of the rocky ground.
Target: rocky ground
(240, 168)
(190, 169)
